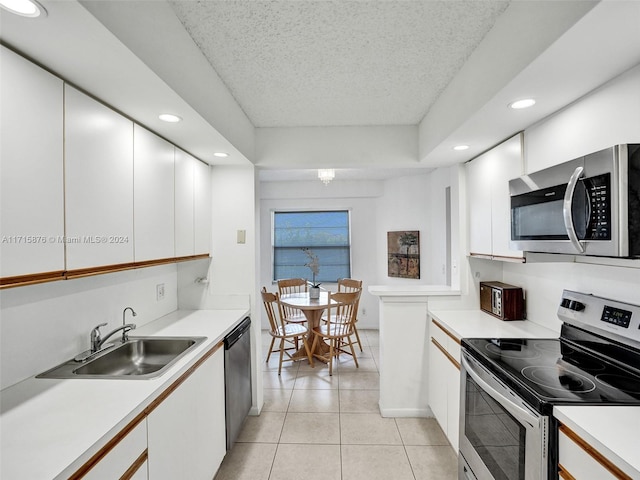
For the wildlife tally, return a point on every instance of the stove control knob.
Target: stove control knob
(572, 305)
(576, 306)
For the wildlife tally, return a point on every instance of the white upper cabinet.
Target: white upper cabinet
(31, 168)
(153, 189)
(202, 207)
(184, 232)
(193, 205)
(98, 183)
(489, 202)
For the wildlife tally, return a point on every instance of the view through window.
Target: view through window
(299, 235)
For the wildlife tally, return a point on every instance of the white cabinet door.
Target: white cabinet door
(438, 385)
(202, 208)
(98, 183)
(453, 404)
(31, 168)
(444, 382)
(489, 201)
(153, 190)
(508, 165)
(186, 432)
(479, 179)
(184, 201)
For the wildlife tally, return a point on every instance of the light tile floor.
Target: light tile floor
(316, 426)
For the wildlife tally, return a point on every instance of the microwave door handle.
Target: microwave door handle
(518, 412)
(567, 214)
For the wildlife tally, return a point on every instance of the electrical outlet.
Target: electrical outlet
(160, 291)
(364, 311)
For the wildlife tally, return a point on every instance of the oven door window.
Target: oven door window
(495, 435)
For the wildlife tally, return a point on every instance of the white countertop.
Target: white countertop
(412, 290)
(611, 430)
(476, 323)
(49, 428)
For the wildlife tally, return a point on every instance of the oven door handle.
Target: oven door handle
(567, 205)
(518, 412)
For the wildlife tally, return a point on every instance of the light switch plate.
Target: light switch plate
(241, 236)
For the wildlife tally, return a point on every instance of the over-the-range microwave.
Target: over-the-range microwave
(587, 206)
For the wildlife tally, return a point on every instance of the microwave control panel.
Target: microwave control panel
(599, 193)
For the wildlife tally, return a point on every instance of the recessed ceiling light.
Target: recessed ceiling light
(220, 154)
(524, 103)
(169, 117)
(25, 8)
(461, 147)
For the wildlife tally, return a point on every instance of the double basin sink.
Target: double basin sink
(137, 358)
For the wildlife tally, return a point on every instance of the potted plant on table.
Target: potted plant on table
(314, 266)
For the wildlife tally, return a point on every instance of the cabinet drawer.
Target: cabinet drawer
(581, 461)
(446, 340)
(127, 457)
(438, 334)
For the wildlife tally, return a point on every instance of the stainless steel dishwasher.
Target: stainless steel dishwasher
(237, 378)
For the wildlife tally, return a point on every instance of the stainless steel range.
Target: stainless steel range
(509, 386)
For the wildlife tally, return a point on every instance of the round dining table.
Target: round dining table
(312, 310)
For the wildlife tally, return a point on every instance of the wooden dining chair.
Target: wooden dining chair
(288, 286)
(351, 285)
(338, 327)
(283, 331)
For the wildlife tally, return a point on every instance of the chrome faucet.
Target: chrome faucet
(97, 340)
(124, 332)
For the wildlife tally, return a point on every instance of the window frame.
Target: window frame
(274, 211)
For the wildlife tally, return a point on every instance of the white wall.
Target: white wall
(357, 197)
(46, 324)
(405, 203)
(231, 270)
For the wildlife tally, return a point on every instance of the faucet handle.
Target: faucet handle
(95, 337)
(96, 329)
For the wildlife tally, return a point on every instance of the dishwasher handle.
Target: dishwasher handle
(237, 333)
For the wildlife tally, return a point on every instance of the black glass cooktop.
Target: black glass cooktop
(553, 371)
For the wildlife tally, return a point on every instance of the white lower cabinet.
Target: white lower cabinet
(186, 432)
(579, 460)
(127, 457)
(444, 382)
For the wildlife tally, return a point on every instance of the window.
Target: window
(325, 234)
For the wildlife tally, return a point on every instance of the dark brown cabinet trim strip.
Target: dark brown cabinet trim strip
(32, 279)
(446, 354)
(135, 466)
(449, 334)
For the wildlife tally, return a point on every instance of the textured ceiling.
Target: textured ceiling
(318, 63)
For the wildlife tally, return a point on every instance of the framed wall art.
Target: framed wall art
(403, 254)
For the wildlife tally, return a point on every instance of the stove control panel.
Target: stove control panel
(613, 319)
(616, 316)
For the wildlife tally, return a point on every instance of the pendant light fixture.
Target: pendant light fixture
(326, 175)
